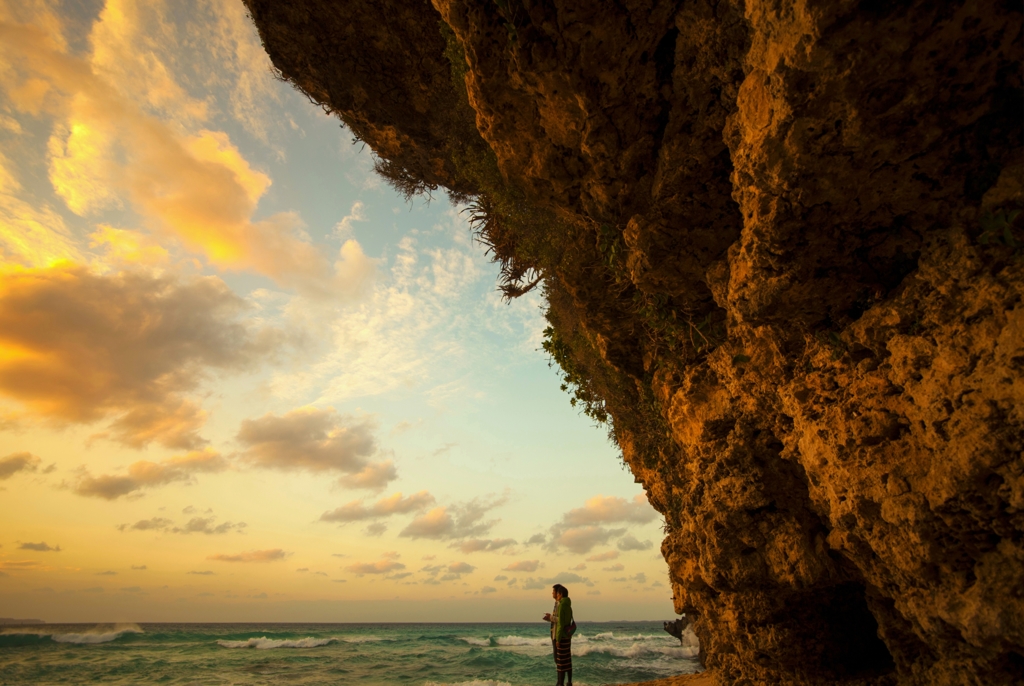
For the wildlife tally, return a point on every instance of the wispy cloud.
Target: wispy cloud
(393, 504)
(523, 566)
(387, 565)
(455, 521)
(144, 474)
(41, 547)
(424, 313)
(477, 545)
(564, 578)
(251, 556)
(196, 525)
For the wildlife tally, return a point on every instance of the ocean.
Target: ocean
(359, 654)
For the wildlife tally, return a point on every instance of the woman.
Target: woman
(562, 628)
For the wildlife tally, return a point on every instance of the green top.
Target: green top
(561, 619)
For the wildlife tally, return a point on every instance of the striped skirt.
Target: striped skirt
(563, 654)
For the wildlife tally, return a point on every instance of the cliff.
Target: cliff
(782, 251)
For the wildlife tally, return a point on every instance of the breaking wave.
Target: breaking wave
(98, 634)
(264, 643)
(635, 650)
(621, 646)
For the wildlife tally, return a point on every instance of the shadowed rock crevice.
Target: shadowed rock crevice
(781, 246)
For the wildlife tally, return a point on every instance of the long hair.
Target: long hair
(559, 588)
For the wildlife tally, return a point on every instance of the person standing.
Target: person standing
(562, 628)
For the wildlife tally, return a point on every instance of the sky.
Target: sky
(241, 379)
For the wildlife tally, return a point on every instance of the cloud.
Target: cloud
(374, 476)
(17, 462)
(308, 439)
(153, 524)
(608, 510)
(488, 589)
(205, 572)
(19, 565)
(630, 542)
(536, 539)
(79, 347)
(139, 568)
(579, 568)
(476, 545)
(613, 568)
(580, 529)
(455, 521)
(501, 577)
(385, 565)
(205, 525)
(385, 507)
(110, 145)
(376, 529)
(456, 570)
(143, 474)
(109, 572)
(251, 556)
(562, 578)
(604, 557)
(356, 214)
(523, 566)
(583, 539)
(41, 547)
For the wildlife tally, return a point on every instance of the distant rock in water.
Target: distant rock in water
(782, 247)
(677, 627)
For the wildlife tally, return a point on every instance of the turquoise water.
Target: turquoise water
(360, 654)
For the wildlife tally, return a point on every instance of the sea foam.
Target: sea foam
(264, 643)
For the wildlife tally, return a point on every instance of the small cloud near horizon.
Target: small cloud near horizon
(269, 555)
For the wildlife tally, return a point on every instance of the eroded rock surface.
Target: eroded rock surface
(783, 255)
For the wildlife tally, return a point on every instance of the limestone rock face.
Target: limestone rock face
(796, 284)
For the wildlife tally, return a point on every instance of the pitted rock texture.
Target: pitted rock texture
(786, 253)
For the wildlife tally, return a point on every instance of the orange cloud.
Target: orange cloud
(144, 473)
(374, 476)
(79, 347)
(251, 556)
(198, 188)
